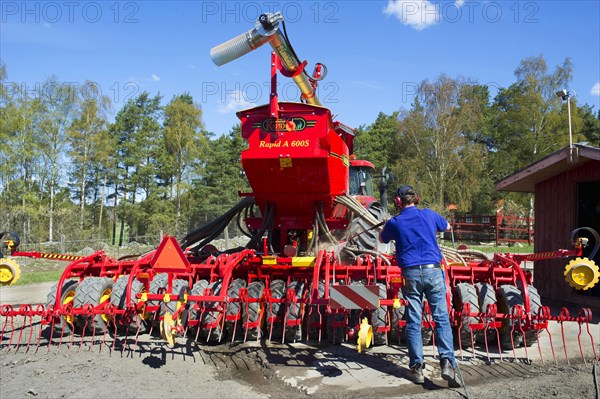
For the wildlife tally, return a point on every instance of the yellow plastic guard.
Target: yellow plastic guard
(365, 335)
(303, 261)
(167, 298)
(269, 260)
(144, 297)
(397, 303)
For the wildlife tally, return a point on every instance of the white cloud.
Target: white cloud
(192, 66)
(155, 78)
(416, 14)
(595, 89)
(459, 3)
(235, 102)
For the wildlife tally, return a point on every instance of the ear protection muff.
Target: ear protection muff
(398, 201)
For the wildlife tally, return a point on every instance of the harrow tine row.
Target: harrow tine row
(26, 327)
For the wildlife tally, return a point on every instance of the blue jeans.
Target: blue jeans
(431, 284)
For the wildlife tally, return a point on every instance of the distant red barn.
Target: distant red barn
(567, 195)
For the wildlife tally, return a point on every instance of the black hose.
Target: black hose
(209, 231)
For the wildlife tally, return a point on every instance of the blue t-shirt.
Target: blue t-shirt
(414, 232)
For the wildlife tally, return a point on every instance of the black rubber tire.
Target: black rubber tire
(466, 293)
(68, 290)
(159, 282)
(361, 231)
(509, 296)
(118, 296)
(338, 335)
(379, 318)
(486, 296)
(235, 308)
(294, 333)
(397, 315)
(197, 289)
(426, 332)
(89, 292)
(180, 287)
(213, 315)
(256, 290)
(535, 303)
(275, 309)
(313, 312)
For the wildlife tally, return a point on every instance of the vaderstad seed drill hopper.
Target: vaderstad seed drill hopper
(312, 269)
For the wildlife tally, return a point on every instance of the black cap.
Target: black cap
(405, 190)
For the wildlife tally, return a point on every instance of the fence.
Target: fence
(498, 228)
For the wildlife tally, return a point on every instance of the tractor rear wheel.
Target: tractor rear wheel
(254, 310)
(465, 293)
(65, 324)
(118, 297)
(93, 291)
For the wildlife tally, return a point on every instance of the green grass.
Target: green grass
(39, 277)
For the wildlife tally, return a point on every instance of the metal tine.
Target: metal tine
(564, 314)
(460, 324)
(5, 311)
(12, 331)
(285, 316)
(514, 317)
(23, 309)
(244, 291)
(320, 323)
(64, 312)
(41, 311)
(223, 317)
(50, 311)
(544, 312)
(585, 316)
(30, 329)
(137, 333)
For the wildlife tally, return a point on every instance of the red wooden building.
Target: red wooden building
(567, 195)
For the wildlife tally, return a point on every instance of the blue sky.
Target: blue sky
(376, 52)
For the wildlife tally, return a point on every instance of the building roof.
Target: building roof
(524, 180)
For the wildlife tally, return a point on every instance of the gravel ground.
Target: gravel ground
(151, 369)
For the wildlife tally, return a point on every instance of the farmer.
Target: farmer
(418, 254)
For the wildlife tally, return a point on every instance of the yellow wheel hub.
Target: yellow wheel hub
(582, 273)
(103, 298)
(10, 272)
(68, 299)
